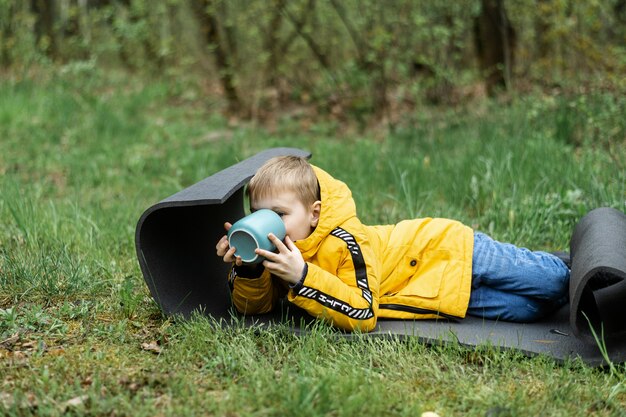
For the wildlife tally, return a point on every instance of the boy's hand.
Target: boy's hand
(287, 264)
(224, 250)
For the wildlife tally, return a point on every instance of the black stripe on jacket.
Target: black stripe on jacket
(361, 281)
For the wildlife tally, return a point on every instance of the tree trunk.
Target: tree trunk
(44, 26)
(72, 26)
(272, 43)
(620, 11)
(229, 30)
(205, 13)
(7, 40)
(369, 60)
(542, 29)
(494, 37)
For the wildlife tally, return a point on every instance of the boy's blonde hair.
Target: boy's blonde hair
(285, 173)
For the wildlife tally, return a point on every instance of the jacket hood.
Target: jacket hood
(337, 207)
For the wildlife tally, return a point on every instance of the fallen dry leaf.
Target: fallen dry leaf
(163, 400)
(56, 351)
(152, 347)
(6, 400)
(76, 401)
(87, 381)
(34, 345)
(19, 355)
(8, 343)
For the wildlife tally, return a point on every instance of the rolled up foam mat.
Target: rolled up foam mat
(175, 239)
(598, 278)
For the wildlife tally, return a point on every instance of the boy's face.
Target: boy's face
(299, 220)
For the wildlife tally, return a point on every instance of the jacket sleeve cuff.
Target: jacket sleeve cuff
(249, 271)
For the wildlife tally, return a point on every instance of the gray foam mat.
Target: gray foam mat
(175, 243)
(552, 336)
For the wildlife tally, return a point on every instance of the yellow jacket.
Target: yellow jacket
(415, 269)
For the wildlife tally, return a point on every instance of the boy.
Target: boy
(349, 274)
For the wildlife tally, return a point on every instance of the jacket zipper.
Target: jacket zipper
(416, 310)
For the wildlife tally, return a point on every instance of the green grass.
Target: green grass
(81, 158)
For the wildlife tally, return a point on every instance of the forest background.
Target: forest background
(350, 61)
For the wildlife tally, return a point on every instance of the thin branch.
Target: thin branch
(359, 43)
(313, 46)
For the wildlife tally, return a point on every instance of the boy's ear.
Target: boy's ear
(316, 209)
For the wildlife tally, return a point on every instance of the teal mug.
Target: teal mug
(251, 232)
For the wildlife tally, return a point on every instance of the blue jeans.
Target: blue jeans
(515, 284)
